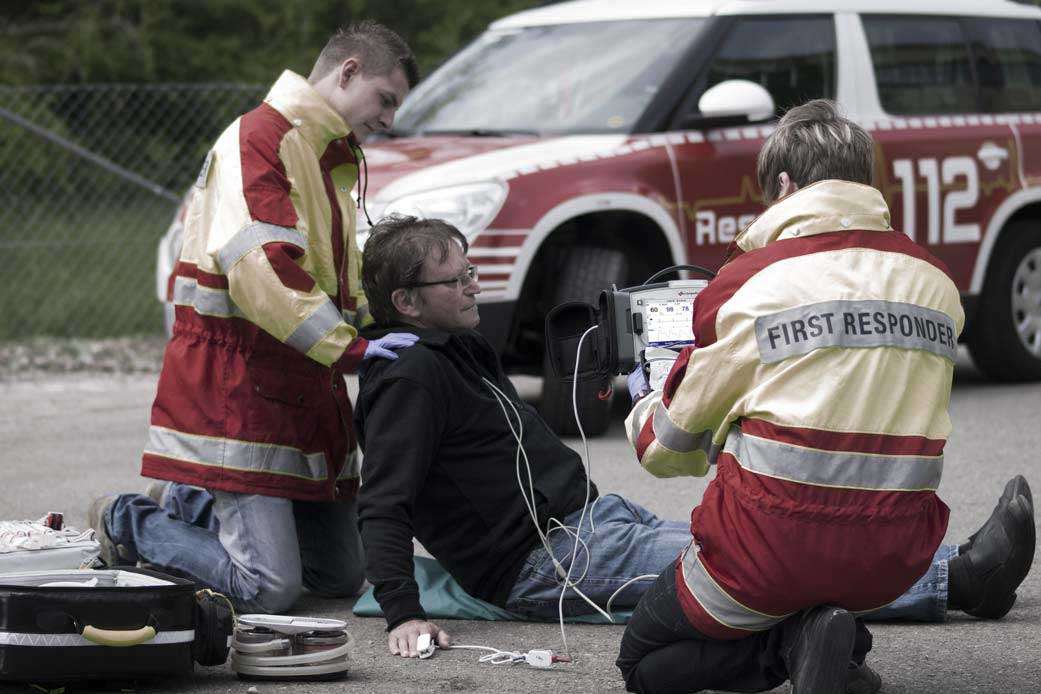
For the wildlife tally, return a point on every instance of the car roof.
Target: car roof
(580, 11)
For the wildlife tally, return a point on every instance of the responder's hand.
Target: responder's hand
(402, 639)
(638, 385)
(384, 347)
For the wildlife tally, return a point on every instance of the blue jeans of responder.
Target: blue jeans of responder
(259, 551)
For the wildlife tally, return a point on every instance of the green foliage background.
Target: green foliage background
(80, 41)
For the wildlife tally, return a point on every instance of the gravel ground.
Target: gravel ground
(30, 359)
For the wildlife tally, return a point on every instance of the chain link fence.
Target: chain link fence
(90, 178)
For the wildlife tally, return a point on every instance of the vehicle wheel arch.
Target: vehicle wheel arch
(640, 236)
(554, 226)
(1024, 204)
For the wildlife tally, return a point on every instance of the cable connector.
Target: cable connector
(544, 659)
(540, 659)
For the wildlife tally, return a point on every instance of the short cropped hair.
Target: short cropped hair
(379, 50)
(813, 142)
(394, 256)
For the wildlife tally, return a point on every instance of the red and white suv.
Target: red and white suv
(594, 142)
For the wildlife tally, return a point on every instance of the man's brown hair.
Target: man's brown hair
(379, 50)
(394, 256)
(813, 142)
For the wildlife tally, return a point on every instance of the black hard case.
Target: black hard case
(31, 613)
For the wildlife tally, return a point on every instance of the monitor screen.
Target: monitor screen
(668, 321)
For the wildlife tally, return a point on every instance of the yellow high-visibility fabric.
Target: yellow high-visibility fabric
(877, 390)
(219, 213)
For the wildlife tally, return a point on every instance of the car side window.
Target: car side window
(1007, 53)
(921, 64)
(793, 58)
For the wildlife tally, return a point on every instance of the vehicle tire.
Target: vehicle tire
(584, 272)
(1005, 342)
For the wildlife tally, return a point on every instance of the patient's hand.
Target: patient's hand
(402, 638)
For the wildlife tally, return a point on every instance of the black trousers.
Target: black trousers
(662, 652)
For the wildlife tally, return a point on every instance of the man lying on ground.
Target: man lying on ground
(441, 465)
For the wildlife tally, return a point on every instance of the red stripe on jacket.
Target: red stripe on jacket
(265, 184)
(880, 444)
(205, 279)
(282, 257)
(733, 275)
(777, 546)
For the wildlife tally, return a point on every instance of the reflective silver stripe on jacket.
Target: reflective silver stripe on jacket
(720, 606)
(239, 455)
(351, 467)
(676, 439)
(868, 323)
(835, 468)
(253, 236)
(637, 415)
(206, 301)
(15, 638)
(315, 327)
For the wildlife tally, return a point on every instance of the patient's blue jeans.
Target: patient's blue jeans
(631, 541)
(259, 551)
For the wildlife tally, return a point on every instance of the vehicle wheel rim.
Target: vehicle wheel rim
(1026, 301)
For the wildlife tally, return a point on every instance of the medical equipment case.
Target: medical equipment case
(69, 625)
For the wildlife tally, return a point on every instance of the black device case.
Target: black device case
(41, 627)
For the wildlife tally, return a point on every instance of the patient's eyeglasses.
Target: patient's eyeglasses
(468, 277)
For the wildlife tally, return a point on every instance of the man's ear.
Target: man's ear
(348, 69)
(786, 186)
(406, 302)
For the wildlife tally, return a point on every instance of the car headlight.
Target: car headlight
(470, 208)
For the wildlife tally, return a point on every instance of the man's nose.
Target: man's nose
(473, 288)
(386, 119)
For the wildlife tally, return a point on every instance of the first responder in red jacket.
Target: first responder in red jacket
(818, 387)
(268, 298)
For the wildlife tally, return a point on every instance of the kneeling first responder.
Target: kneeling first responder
(819, 387)
(251, 408)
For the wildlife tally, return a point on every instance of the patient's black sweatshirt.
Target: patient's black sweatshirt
(439, 464)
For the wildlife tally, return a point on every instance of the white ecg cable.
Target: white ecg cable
(554, 524)
(529, 503)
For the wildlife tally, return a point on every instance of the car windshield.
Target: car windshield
(594, 77)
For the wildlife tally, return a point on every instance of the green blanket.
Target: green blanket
(443, 598)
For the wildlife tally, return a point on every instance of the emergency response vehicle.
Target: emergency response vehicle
(588, 143)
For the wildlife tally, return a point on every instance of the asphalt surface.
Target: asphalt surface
(66, 439)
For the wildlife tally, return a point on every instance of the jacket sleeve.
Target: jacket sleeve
(680, 429)
(400, 426)
(264, 260)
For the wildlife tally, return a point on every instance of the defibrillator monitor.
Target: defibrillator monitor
(655, 315)
(647, 324)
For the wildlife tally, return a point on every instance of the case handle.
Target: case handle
(117, 637)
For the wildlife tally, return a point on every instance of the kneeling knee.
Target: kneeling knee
(277, 599)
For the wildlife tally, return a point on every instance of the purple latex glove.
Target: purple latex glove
(384, 347)
(638, 385)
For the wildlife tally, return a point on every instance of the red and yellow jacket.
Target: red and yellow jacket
(819, 386)
(251, 397)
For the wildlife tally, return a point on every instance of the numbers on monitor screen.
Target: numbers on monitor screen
(669, 321)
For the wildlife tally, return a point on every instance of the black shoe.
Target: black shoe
(110, 553)
(1013, 488)
(861, 679)
(816, 649)
(997, 561)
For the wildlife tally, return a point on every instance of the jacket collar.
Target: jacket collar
(818, 208)
(296, 99)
